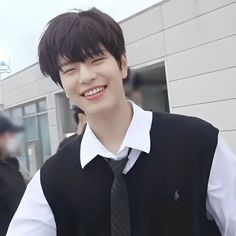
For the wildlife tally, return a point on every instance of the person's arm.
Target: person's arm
(6, 212)
(34, 215)
(221, 199)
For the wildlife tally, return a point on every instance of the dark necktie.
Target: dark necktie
(120, 214)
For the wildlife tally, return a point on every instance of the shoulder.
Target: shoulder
(171, 118)
(58, 168)
(68, 151)
(176, 124)
(63, 158)
(10, 162)
(184, 134)
(67, 140)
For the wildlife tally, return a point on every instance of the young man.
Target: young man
(12, 185)
(80, 120)
(179, 178)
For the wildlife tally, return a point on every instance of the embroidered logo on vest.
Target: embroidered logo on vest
(176, 196)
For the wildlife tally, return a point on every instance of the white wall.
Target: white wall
(201, 61)
(26, 85)
(196, 39)
(144, 37)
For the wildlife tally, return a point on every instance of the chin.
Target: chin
(99, 108)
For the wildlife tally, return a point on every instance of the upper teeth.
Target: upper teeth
(93, 91)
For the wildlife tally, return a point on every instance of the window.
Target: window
(34, 117)
(42, 106)
(31, 128)
(147, 88)
(43, 126)
(66, 115)
(17, 112)
(30, 109)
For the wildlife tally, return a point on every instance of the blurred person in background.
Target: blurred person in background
(22, 166)
(136, 94)
(132, 86)
(12, 184)
(80, 120)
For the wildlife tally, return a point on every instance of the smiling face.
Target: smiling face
(94, 85)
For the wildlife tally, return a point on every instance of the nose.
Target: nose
(86, 74)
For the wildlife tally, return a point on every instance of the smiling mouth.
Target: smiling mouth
(93, 91)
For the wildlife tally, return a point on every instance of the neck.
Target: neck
(110, 127)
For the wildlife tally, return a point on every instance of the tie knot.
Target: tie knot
(117, 166)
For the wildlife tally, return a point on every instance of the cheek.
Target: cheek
(69, 87)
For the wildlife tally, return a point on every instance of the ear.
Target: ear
(124, 66)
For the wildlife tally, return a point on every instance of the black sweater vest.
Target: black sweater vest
(167, 188)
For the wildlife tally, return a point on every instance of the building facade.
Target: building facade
(183, 59)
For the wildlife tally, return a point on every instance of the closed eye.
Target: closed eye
(98, 59)
(68, 70)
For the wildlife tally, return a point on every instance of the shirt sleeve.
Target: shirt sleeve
(221, 195)
(34, 215)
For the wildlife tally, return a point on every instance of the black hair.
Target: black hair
(136, 81)
(77, 36)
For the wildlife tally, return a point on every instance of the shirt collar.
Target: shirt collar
(137, 137)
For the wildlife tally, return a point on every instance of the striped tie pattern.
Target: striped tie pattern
(120, 214)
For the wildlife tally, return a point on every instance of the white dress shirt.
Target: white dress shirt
(34, 215)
